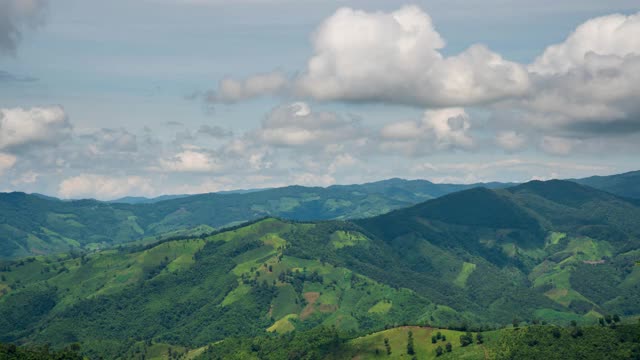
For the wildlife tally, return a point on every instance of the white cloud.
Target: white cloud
(36, 126)
(615, 35)
(103, 187)
(190, 160)
(394, 57)
(587, 84)
(296, 125)
(342, 161)
(442, 129)
(389, 57)
(231, 90)
(590, 82)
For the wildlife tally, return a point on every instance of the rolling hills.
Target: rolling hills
(36, 225)
(549, 251)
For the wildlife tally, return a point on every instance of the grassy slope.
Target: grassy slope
(373, 346)
(532, 342)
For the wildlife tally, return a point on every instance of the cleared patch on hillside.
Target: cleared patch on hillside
(465, 272)
(283, 325)
(341, 239)
(311, 297)
(381, 307)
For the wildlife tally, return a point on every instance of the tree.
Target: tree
(608, 319)
(515, 322)
(448, 347)
(616, 318)
(387, 346)
(576, 332)
(433, 339)
(444, 338)
(466, 339)
(479, 338)
(439, 350)
(438, 335)
(410, 349)
(601, 321)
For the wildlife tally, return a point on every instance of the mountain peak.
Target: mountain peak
(561, 191)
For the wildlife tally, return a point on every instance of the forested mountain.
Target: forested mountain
(549, 251)
(34, 225)
(627, 184)
(37, 224)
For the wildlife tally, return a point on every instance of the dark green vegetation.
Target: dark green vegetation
(626, 185)
(37, 225)
(13, 352)
(531, 342)
(543, 251)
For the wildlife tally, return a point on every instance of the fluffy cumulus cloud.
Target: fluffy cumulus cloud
(20, 128)
(590, 82)
(16, 16)
(443, 129)
(584, 86)
(390, 57)
(395, 57)
(103, 186)
(612, 35)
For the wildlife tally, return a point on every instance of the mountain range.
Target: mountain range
(553, 252)
(37, 224)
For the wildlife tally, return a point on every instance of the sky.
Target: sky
(104, 99)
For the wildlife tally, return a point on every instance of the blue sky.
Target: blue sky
(147, 97)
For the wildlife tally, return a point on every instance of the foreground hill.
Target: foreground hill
(547, 251)
(37, 225)
(425, 343)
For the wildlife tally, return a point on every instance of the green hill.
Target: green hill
(543, 251)
(38, 225)
(531, 342)
(626, 185)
